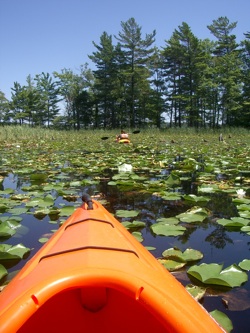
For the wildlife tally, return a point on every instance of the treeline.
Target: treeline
(199, 83)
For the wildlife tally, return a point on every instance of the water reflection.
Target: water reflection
(219, 238)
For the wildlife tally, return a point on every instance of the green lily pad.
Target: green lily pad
(7, 191)
(171, 265)
(20, 197)
(38, 176)
(211, 188)
(195, 198)
(195, 214)
(43, 240)
(246, 229)
(39, 213)
(150, 248)
(186, 256)
(171, 196)
(197, 292)
(223, 320)
(126, 213)
(167, 220)
(3, 272)
(234, 222)
(8, 228)
(67, 210)
(245, 264)
(41, 202)
(173, 179)
(138, 236)
(213, 274)
(133, 225)
(167, 229)
(18, 210)
(75, 184)
(8, 252)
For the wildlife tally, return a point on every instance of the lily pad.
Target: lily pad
(197, 292)
(195, 214)
(67, 210)
(18, 210)
(213, 274)
(223, 320)
(211, 188)
(138, 236)
(126, 213)
(43, 240)
(186, 256)
(8, 228)
(8, 252)
(246, 229)
(234, 222)
(167, 220)
(38, 176)
(173, 179)
(133, 225)
(171, 265)
(245, 264)
(195, 198)
(167, 229)
(3, 272)
(171, 196)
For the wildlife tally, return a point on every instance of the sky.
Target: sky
(50, 35)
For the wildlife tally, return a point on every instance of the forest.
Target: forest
(200, 83)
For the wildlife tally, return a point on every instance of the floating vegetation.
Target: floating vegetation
(171, 194)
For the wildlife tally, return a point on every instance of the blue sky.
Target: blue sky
(48, 35)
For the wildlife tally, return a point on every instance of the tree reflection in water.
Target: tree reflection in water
(219, 237)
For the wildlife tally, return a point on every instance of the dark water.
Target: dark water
(217, 244)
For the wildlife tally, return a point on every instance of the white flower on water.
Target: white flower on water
(241, 193)
(125, 168)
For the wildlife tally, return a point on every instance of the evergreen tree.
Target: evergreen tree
(4, 109)
(18, 103)
(183, 63)
(106, 81)
(228, 69)
(137, 53)
(245, 115)
(49, 93)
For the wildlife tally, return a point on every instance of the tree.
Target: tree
(228, 69)
(72, 88)
(244, 119)
(4, 108)
(18, 103)
(156, 100)
(137, 53)
(183, 63)
(49, 93)
(106, 81)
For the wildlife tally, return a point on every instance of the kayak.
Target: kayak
(123, 141)
(94, 276)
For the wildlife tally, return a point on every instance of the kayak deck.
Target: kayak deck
(93, 276)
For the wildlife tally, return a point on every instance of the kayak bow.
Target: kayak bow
(94, 276)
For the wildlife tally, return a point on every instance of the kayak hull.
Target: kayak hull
(93, 276)
(123, 141)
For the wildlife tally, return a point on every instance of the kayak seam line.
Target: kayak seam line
(89, 219)
(89, 248)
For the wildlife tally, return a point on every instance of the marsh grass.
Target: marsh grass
(15, 134)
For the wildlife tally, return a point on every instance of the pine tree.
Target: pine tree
(137, 53)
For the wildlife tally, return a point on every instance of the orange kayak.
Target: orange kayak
(94, 276)
(123, 141)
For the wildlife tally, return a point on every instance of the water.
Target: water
(218, 244)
